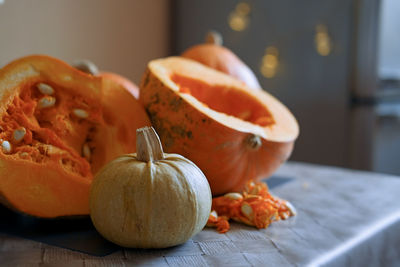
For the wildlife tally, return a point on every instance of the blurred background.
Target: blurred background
(334, 63)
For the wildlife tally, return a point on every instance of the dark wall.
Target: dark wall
(314, 87)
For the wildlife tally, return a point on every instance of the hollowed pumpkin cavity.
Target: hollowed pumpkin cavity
(54, 128)
(226, 100)
(232, 133)
(58, 127)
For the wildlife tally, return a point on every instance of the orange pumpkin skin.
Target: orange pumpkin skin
(89, 67)
(46, 174)
(126, 83)
(221, 58)
(123, 114)
(223, 153)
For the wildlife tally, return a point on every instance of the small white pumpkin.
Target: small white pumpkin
(150, 199)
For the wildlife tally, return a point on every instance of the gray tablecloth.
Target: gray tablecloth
(345, 218)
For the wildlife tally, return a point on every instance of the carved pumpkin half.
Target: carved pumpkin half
(58, 127)
(231, 132)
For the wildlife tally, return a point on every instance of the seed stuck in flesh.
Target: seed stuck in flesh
(24, 155)
(291, 208)
(46, 102)
(80, 113)
(245, 115)
(234, 196)
(45, 89)
(87, 154)
(50, 150)
(253, 197)
(214, 214)
(285, 215)
(6, 147)
(19, 134)
(247, 211)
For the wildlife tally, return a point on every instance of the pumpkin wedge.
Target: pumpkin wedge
(58, 127)
(232, 133)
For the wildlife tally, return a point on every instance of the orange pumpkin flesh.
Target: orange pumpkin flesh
(48, 173)
(235, 102)
(232, 133)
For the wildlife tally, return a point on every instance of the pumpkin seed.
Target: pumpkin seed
(80, 113)
(50, 150)
(19, 134)
(45, 89)
(46, 102)
(6, 146)
(252, 197)
(87, 154)
(24, 155)
(214, 214)
(247, 210)
(244, 115)
(291, 208)
(285, 215)
(234, 196)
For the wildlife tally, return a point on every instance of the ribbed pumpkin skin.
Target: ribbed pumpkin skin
(124, 82)
(219, 151)
(222, 59)
(123, 114)
(48, 186)
(150, 205)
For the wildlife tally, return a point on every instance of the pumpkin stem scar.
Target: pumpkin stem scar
(86, 66)
(148, 145)
(253, 141)
(214, 37)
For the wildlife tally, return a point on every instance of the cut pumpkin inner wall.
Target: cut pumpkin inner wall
(54, 128)
(226, 100)
(232, 133)
(58, 127)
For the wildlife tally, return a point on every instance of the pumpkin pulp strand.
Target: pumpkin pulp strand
(51, 133)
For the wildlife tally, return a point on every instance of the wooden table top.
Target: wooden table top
(345, 217)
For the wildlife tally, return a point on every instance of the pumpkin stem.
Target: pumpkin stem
(253, 141)
(214, 37)
(148, 145)
(86, 66)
